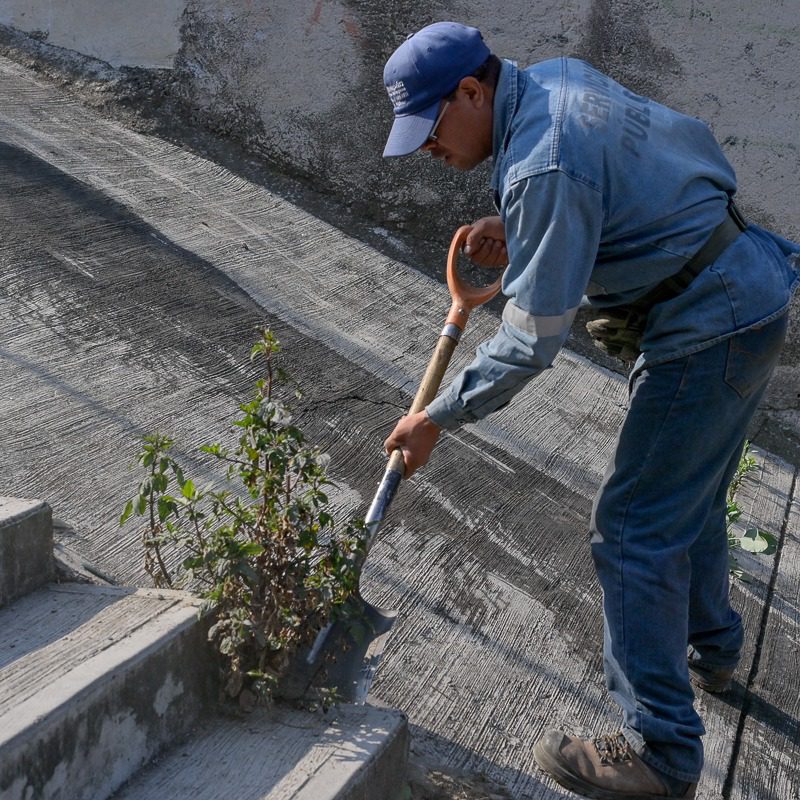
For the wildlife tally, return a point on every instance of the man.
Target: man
(607, 194)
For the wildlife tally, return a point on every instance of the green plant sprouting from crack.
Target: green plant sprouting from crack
(267, 559)
(753, 540)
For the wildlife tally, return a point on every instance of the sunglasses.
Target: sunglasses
(432, 137)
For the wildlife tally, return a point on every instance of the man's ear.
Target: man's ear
(474, 90)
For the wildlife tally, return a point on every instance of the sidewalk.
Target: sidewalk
(136, 273)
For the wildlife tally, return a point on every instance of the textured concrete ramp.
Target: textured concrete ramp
(136, 273)
(766, 703)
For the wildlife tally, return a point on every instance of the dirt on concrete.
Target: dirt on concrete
(427, 782)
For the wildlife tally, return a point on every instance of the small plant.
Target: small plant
(267, 558)
(753, 540)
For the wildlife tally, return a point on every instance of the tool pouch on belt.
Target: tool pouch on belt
(619, 330)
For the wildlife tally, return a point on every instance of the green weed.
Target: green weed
(266, 557)
(753, 540)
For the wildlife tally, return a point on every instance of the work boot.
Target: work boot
(604, 768)
(709, 677)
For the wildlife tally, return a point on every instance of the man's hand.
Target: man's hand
(486, 243)
(416, 436)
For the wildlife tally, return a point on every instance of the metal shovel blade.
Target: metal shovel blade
(352, 651)
(346, 652)
(344, 657)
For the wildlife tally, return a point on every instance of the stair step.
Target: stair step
(350, 753)
(94, 681)
(26, 547)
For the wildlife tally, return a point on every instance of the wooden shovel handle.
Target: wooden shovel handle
(465, 298)
(428, 388)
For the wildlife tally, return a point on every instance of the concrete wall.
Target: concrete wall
(139, 33)
(298, 82)
(309, 73)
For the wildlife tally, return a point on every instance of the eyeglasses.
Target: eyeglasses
(432, 137)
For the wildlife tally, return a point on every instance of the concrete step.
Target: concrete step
(26, 547)
(94, 682)
(98, 681)
(350, 753)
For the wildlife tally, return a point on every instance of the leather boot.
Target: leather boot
(604, 768)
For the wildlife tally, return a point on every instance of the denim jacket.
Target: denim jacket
(603, 194)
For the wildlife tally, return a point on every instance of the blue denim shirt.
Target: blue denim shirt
(603, 194)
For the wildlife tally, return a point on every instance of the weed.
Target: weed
(753, 540)
(267, 559)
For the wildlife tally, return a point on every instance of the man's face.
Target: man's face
(463, 137)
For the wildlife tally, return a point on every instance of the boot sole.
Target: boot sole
(709, 686)
(547, 763)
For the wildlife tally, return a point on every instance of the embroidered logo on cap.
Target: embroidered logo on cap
(398, 93)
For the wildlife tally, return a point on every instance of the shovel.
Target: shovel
(350, 649)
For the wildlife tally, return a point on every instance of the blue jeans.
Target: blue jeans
(659, 541)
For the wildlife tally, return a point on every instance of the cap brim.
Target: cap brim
(410, 131)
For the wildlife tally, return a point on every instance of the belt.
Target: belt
(722, 236)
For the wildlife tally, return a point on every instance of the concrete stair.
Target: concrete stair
(26, 547)
(96, 682)
(350, 753)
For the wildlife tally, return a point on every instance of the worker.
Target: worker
(607, 195)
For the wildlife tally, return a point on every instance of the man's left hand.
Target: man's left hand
(486, 243)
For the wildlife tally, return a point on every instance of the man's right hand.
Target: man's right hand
(486, 243)
(415, 435)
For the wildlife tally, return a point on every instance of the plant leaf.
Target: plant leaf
(752, 541)
(126, 513)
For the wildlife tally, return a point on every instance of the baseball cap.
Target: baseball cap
(425, 68)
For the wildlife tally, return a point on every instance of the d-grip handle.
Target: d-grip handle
(465, 296)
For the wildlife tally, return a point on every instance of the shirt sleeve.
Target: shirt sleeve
(553, 223)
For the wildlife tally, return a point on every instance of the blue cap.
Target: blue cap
(424, 69)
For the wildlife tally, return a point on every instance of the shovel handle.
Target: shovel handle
(465, 296)
(464, 299)
(429, 386)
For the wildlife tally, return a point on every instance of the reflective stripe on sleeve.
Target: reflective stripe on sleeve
(539, 326)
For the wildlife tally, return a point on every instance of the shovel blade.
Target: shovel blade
(352, 652)
(345, 656)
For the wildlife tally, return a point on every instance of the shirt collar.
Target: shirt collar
(505, 103)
